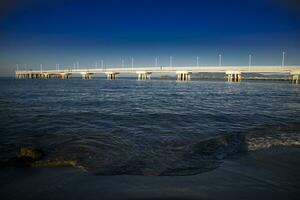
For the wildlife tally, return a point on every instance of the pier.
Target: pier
(231, 73)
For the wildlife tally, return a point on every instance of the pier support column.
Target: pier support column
(144, 75)
(64, 75)
(112, 75)
(295, 78)
(234, 76)
(183, 76)
(18, 76)
(22, 75)
(86, 76)
(46, 76)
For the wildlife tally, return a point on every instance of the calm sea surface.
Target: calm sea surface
(159, 127)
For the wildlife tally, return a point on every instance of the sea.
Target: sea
(154, 127)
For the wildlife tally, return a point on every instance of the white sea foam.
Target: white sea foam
(265, 142)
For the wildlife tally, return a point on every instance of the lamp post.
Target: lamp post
(132, 63)
(250, 62)
(282, 62)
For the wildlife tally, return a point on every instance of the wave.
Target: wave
(257, 142)
(169, 157)
(162, 156)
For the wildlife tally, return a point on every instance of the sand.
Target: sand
(263, 174)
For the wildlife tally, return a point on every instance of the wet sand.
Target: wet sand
(263, 174)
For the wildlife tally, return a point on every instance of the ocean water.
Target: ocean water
(156, 127)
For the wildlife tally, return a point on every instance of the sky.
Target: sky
(49, 32)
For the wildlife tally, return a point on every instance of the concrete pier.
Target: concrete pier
(144, 75)
(295, 79)
(295, 76)
(86, 75)
(233, 76)
(183, 76)
(232, 73)
(64, 75)
(112, 75)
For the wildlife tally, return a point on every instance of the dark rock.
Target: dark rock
(30, 153)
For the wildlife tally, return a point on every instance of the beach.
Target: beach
(263, 174)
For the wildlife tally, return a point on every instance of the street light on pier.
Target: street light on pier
(220, 60)
(102, 65)
(282, 62)
(132, 63)
(197, 61)
(250, 62)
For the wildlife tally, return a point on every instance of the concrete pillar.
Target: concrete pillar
(228, 78)
(234, 76)
(64, 76)
(86, 76)
(112, 75)
(144, 75)
(183, 76)
(295, 78)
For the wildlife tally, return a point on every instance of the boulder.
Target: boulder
(30, 153)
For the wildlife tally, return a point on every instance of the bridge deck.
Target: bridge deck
(191, 69)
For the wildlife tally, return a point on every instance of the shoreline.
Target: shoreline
(264, 174)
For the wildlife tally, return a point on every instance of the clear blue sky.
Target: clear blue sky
(57, 31)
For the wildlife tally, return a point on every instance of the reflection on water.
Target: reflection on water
(156, 127)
